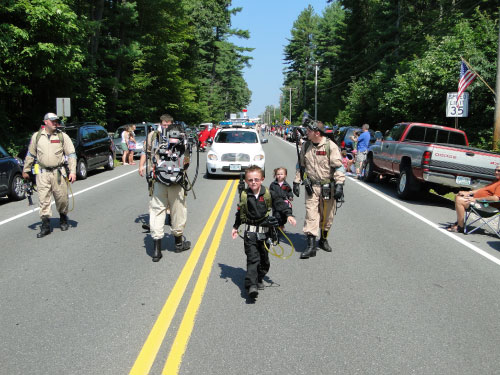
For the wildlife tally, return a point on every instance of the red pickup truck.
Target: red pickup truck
(424, 156)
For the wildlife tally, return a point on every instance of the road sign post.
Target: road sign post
(63, 107)
(457, 109)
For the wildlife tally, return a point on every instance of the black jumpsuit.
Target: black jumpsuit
(285, 192)
(257, 256)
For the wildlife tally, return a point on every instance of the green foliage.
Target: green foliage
(383, 62)
(119, 61)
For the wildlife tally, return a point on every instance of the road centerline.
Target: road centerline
(152, 345)
(181, 340)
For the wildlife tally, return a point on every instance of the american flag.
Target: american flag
(466, 78)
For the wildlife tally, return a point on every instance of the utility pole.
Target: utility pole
(281, 98)
(315, 91)
(496, 132)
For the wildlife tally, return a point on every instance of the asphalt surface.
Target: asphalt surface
(397, 295)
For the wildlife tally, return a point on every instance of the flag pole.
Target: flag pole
(476, 73)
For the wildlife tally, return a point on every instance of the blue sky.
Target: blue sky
(269, 23)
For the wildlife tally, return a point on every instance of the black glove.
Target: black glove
(339, 192)
(296, 188)
(270, 221)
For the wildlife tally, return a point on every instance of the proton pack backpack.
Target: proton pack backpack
(168, 157)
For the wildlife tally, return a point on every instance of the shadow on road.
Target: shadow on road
(54, 223)
(237, 276)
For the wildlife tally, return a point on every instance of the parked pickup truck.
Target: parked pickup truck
(424, 156)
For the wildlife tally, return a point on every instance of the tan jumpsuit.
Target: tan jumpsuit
(166, 197)
(49, 153)
(320, 212)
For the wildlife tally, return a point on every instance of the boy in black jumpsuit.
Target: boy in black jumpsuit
(257, 224)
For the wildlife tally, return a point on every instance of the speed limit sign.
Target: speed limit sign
(457, 109)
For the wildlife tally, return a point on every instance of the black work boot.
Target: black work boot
(253, 292)
(63, 222)
(44, 228)
(157, 254)
(323, 242)
(181, 245)
(311, 247)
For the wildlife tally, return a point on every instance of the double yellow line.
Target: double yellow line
(150, 349)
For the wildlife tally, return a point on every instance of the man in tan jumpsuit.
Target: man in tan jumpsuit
(164, 197)
(49, 146)
(323, 165)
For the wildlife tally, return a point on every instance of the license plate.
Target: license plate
(234, 167)
(461, 180)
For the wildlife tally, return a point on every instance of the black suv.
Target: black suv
(94, 147)
(11, 180)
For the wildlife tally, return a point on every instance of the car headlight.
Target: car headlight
(258, 157)
(212, 157)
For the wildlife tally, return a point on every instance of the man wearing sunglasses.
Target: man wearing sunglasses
(464, 198)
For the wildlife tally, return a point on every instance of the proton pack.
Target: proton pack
(168, 156)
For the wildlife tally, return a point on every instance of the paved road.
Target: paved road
(397, 295)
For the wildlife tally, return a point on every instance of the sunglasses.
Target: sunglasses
(250, 180)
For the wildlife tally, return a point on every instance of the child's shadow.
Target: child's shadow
(237, 276)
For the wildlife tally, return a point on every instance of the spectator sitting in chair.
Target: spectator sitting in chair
(464, 198)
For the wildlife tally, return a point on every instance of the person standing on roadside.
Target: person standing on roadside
(124, 144)
(49, 146)
(362, 148)
(132, 144)
(165, 196)
(322, 162)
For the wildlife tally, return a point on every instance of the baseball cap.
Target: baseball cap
(50, 116)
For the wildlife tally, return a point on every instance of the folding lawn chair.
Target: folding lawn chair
(486, 214)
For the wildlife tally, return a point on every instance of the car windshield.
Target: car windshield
(72, 133)
(236, 136)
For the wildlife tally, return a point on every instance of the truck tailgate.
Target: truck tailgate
(464, 161)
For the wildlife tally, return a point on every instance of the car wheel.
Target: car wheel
(16, 189)
(406, 185)
(368, 174)
(81, 169)
(111, 163)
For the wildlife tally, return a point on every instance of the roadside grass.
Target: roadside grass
(450, 196)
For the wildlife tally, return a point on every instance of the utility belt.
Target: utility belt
(320, 182)
(256, 229)
(49, 169)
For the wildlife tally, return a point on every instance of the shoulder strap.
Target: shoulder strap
(38, 135)
(243, 206)
(268, 201)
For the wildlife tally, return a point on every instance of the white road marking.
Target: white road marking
(421, 218)
(428, 222)
(77, 193)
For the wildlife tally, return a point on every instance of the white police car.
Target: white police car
(233, 150)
